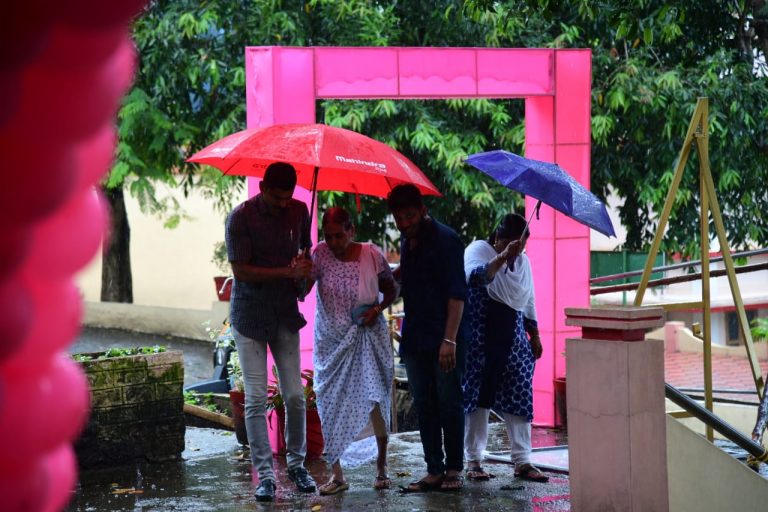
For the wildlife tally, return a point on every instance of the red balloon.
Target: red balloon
(24, 487)
(75, 49)
(97, 13)
(15, 243)
(63, 106)
(61, 470)
(36, 179)
(55, 323)
(18, 309)
(65, 242)
(42, 409)
(94, 157)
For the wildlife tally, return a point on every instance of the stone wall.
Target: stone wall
(136, 409)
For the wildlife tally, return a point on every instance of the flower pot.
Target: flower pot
(276, 423)
(237, 398)
(227, 288)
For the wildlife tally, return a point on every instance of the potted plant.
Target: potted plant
(223, 282)
(237, 397)
(276, 416)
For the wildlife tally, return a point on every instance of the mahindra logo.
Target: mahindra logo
(376, 165)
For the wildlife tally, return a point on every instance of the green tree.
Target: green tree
(651, 60)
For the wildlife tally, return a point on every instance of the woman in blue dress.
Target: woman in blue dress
(504, 345)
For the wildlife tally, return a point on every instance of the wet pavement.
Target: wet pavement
(215, 473)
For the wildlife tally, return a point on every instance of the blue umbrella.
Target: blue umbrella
(548, 183)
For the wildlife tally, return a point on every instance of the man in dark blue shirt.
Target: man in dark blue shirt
(433, 345)
(267, 239)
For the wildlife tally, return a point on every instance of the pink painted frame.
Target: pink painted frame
(283, 84)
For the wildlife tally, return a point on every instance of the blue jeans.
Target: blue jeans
(439, 403)
(253, 361)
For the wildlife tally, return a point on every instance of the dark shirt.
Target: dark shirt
(258, 238)
(431, 273)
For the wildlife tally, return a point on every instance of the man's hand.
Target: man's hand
(536, 346)
(447, 357)
(300, 268)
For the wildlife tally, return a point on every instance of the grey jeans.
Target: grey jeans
(253, 361)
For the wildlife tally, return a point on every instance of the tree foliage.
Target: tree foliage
(651, 60)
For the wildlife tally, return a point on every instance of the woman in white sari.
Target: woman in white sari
(503, 347)
(353, 353)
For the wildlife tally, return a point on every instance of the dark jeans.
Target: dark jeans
(439, 403)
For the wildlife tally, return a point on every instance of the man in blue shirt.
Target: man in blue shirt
(433, 342)
(267, 239)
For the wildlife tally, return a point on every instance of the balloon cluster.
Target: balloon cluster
(64, 67)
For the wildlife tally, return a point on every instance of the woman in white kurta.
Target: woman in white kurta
(353, 353)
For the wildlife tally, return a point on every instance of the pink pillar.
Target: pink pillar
(283, 83)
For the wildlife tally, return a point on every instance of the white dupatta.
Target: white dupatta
(513, 287)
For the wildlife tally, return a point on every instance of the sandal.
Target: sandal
(477, 474)
(333, 487)
(382, 482)
(422, 486)
(530, 472)
(452, 483)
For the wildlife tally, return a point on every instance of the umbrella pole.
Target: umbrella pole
(536, 211)
(314, 194)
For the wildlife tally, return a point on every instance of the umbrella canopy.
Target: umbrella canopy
(336, 158)
(548, 183)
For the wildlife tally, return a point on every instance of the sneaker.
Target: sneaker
(303, 480)
(265, 491)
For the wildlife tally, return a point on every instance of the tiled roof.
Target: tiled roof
(686, 370)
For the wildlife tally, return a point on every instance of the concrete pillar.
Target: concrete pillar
(616, 417)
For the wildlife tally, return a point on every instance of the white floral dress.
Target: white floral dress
(354, 364)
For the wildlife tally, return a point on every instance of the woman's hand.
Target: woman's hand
(370, 316)
(511, 252)
(536, 346)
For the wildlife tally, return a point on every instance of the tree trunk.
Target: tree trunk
(116, 278)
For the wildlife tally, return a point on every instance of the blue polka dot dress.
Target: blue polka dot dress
(354, 364)
(506, 387)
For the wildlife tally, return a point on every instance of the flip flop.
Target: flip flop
(477, 474)
(531, 473)
(333, 487)
(421, 486)
(458, 480)
(382, 482)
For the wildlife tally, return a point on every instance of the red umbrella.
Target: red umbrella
(325, 158)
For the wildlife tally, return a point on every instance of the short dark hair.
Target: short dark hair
(511, 227)
(337, 215)
(405, 195)
(280, 175)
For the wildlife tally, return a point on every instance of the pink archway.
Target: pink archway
(283, 84)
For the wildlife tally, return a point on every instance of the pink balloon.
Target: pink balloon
(24, 487)
(61, 470)
(63, 106)
(56, 321)
(65, 242)
(17, 305)
(42, 409)
(76, 49)
(15, 243)
(35, 179)
(94, 157)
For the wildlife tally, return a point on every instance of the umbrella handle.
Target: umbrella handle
(535, 211)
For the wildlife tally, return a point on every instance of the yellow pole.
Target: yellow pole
(669, 202)
(702, 143)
